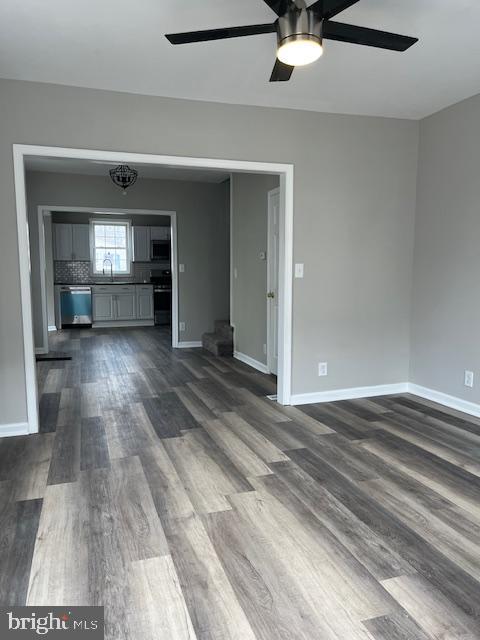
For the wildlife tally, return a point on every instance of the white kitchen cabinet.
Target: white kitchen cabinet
(63, 241)
(71, 241)
(81, 241)
(125, 306)
(103, 307)
(160, 233)
(113, 302)
(141, 244)
(144, 302)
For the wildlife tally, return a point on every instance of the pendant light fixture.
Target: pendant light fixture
(123, 176)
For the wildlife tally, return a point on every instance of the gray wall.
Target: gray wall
(355, 189)
(203, 235)
(249, 238)
(446, 297)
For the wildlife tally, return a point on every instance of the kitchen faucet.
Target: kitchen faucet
(111, 268)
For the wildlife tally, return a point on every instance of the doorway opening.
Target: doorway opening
(55, 222)
(285, 252)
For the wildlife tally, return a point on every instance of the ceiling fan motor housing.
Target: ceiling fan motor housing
(299, 24)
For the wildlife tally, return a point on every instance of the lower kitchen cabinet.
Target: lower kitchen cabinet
(125, 306)
(103, 307)
(122, 303)
(145, 302)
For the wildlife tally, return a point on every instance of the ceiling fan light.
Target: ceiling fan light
(298, 51)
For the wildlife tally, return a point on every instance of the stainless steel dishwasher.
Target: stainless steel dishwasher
(76, 306)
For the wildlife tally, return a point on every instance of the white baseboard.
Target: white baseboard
(16, 429)
(251, 362)
(472, 408)
(189, 345)
(40, 351)
(349, 394)
(52, 327)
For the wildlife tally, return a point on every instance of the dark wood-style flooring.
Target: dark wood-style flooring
(166, 487)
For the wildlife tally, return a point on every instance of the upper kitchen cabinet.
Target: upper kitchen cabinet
(81, 241)
(71, 241)
(141, 244)
(159, 233)
(63, 241)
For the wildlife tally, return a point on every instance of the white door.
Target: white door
(81, 241)
(103, 307)
(272, 279)
(63, 241)
(125, 306)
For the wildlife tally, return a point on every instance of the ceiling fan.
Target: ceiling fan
(300, 33)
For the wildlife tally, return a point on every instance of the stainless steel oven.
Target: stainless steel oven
(162, 296)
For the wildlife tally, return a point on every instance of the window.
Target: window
(110, 244)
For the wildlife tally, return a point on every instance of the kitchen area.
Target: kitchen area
(111, 272)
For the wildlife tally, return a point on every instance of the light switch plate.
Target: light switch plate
(181, 326)
(181, 268)
(299, 270)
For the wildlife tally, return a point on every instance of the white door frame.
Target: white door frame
(45, 210)
(286, 173)
(270, 194)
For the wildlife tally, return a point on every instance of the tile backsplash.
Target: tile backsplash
(76, 272)
(72, 272)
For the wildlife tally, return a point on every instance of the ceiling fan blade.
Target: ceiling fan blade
(220, 34)
(368, 37)
(281, 72)
(329, 8)
(280, 6)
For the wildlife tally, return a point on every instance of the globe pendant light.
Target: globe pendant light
(123, 176)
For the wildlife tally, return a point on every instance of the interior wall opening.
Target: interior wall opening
(53, 214)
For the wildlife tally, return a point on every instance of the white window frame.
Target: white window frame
(107, 222)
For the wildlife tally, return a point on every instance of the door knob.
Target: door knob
(271, 294)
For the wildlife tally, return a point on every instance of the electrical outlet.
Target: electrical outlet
(468, 381)
(181, 326)
(323, 368)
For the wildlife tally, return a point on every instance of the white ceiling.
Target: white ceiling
(119, 45)
(94, 168)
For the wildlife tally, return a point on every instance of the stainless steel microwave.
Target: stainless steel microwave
(160, 251)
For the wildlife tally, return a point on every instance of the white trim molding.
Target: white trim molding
(17, 429)
(189, 345)
(350, 393)
(251, 362)
(25, 290)
(472, 408)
